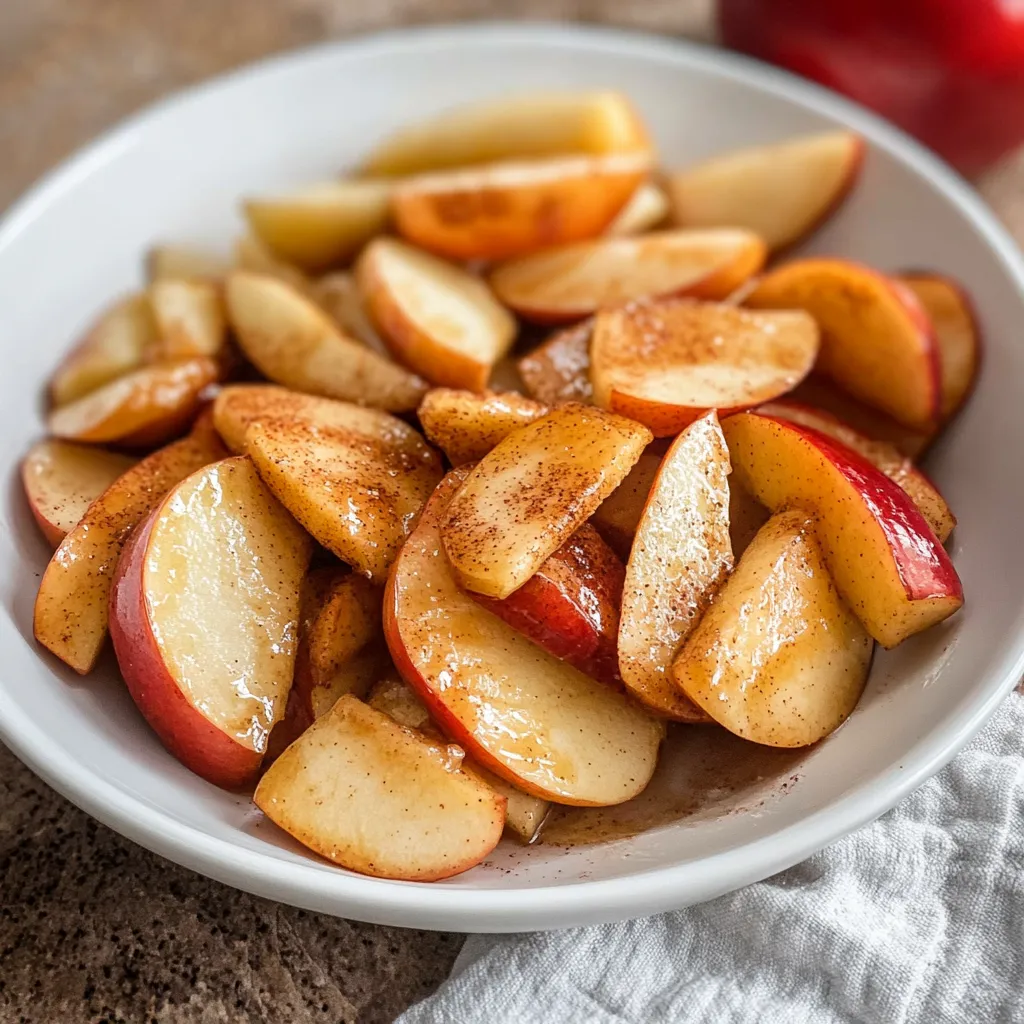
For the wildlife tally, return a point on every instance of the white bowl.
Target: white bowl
(176, 172)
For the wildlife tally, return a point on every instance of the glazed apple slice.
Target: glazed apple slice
(573, 281)
(883, 556)
(115, 345)
(356, 488)
(665, 364)
(183, 262)
(778, 658)
(62, 480)
(531, 493)
(618, 516)
(374, 797)
(876, 340)
(509, 209)
(647, 208)
(320, 226)
(559, 370)
(570, 605)
(338, 295)
(347, 621)
(144, 407)
(436, 318)
(680, 556)
(781, 191)
(190, 318)
(513, 127)
(466, 425)
(532, 719)
(896, 466)
(956, 332)
(203, 614)
(294, 342)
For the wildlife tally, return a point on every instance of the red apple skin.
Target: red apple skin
(192, 738)
(570, 606)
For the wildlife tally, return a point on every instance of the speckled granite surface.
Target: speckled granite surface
(92, 927)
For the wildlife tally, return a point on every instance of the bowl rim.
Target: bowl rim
(318, 886)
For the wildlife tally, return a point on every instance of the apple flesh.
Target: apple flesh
(886, 562)
(618, 516)
(372, 796)
(534, 720)
(183, 262)
(338, 295)
(647, 208)
(559, 370)
(778, 658)
(190, 319)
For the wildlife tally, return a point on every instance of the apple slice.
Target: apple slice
(252, 255)
(665, 364)
(190, 319)
(646, 209)
(322, 225)
(680, 556)
(887, 563)
(956, 332)
(62, 480)
(746, 516)
(618, 516)
(178, 261)
(338, 295)
(295, 343)
(573, 281)
(372, 796)
(530, 718)
(142, 408)
(71, 607)
(896, 466)
(570, 605)
(876, 339)
(513, 127)
(203, 614)
(778, 658)
(559, 370)
(510, 209)
(782, 191)
(532, 492)
(466, 426)
(347, 621)
(115, 345)
(436, 318)
(357, 488)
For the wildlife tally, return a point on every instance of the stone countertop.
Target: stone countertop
(92, 927)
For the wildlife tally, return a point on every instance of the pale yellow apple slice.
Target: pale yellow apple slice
(436, 318)
(252, 255)
(71, 607)
(190, 318)
(681, 555)
(323, 225)
(782, 191)
(573, 281)
(666, 363)
(618, 516)
(178, 261)
(529, 494)
(778, 658)
(518, 711)
(348, 619)
(295, 343)
(527, 125)
(466, 425)
(558, 370)
(115, 345)
(647, 208)
(338, 295)
(62, 480)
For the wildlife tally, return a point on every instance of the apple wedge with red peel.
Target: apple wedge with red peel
(183, 262)
(530, 718)
(497, 211)
(886, 562)
(778, 658)
(781, 191)
(190, 319)
(357, 488)
(896, 466)
(956, 332)
(372, 796)
(320, 226)
(665, 364)
(292, 341)
(62, 480)
(142, 408)
(558, 370)
(533, 491)
(466, 425)
(877, 342)
(680, 556)
(436, 318)
(618, 516)
(203, 614)
(646, 209)
(570, 605)
(573, 281)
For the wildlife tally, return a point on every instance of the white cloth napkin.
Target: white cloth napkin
(916, 919)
